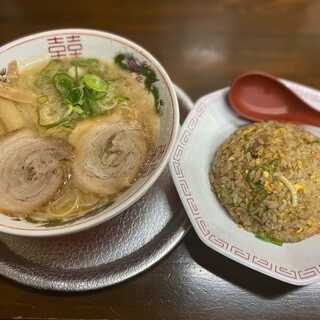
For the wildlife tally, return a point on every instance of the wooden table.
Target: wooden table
(203, 45)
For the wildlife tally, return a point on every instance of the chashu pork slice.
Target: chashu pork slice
(109, 154)
(33, 169)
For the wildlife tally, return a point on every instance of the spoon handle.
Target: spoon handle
(260, 96)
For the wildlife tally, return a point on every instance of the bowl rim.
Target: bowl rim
(100, 218)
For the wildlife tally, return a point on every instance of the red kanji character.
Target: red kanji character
(75, 49)
(74, 45)
(57, 51)
(73, 38)
(55, 40)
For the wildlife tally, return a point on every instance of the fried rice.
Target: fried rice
(267, 176)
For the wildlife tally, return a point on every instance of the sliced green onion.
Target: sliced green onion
(95, 83)
(269, 239)
(113, 102)
(78, 110)
(52, 67)
(119, 98)
(42, 80)
(95, 95)
(81, 93)
(250, 176)
(88, 108)
(256, 200)
(106, 105)
(268, 167)
(43, 99)
(52, 115)
(313, 142)
(246, 149)
(63, 83)
(75, 95)
(63, 122)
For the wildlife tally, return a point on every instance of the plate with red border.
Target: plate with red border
(209, 123)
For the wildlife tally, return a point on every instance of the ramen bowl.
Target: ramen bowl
(144, 68)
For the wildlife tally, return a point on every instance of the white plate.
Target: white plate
(205, 128)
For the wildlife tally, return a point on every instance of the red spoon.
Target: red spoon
(258, 96)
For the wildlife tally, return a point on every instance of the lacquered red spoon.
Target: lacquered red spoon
(258, 96)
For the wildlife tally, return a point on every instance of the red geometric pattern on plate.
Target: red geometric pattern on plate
(200, 109)
(178, 152)
(240, 253)
(193, 206)
(185, 188)
(262, 263)
(177, 170)
(286, 272)
(202, 226)
(192, 123)
(64, 45)
(185, 137)
(219, 242)
(308, 273)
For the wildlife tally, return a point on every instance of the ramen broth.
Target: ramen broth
(127, 105)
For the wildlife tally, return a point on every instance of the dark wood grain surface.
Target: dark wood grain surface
(203, 45)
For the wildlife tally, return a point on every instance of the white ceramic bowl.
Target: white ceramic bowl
(68, 43)
(209, 123)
